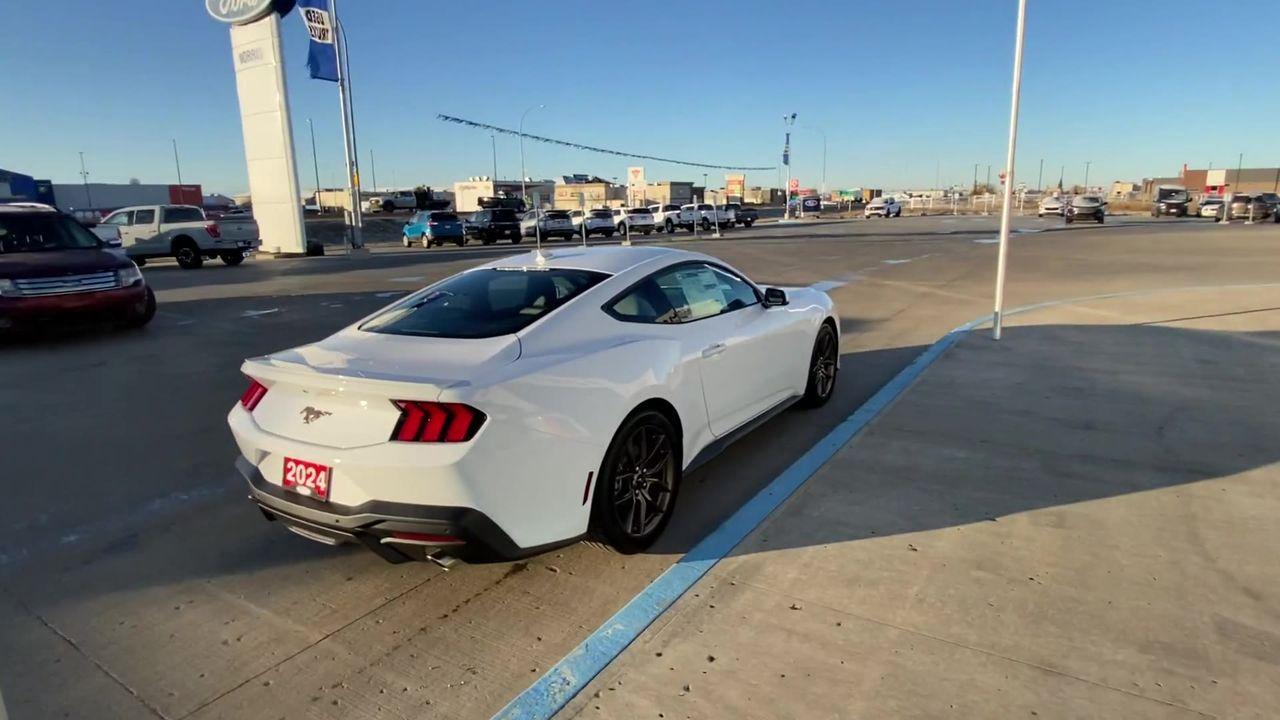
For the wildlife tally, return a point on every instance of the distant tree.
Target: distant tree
(135, 181)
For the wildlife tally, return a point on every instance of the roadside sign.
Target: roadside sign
(793, 186)
(811, 204)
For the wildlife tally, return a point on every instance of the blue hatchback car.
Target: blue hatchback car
(434, 227)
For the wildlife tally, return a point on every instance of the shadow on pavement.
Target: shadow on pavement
(1050, 416)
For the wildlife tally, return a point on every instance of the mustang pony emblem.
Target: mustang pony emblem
(310, 414)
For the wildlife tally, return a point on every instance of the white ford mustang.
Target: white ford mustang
(524, 403)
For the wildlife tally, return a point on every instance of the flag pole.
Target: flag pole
(354, 218)
(1006, 203)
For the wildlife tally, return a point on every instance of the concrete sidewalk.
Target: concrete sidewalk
(1077, 521)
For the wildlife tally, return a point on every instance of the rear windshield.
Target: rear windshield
(443, 217)
(556, 214)
(183, 214)
(42, 231)
(705, 207)
(504, 215)
(483, 303)
(601, 214)
(638, 211)
(668, 208)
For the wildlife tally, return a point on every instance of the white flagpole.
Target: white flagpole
(1006, 202)
(354, 218)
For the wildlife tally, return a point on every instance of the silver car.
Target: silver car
(551, 223)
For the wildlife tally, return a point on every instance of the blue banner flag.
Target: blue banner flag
(786, 151)
(322, 56)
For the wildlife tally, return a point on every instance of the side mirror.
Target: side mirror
(773, 297)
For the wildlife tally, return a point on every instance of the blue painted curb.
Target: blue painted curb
(562, 682)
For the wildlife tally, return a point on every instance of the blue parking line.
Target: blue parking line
(571, 674)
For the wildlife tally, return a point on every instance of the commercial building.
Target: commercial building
(668, 192)
(1121, 190)
(762, 196)
(1218, 181)
(576, 191)
(91, 198)
(466, 194)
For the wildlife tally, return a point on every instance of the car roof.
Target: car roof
(15, 207)
(611, 260)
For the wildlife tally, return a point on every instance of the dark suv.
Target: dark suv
(492, 224)
(55, 271)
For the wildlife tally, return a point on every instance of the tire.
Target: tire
(232, 258)
(623, 496)
(515, 239)
(748, 223)
(404, 240)
(460, 242)
(1068, 220)
(149, 311)
(608, 233)
(140, 262)
(1102, 219)
(669, 226)
(823, 368)
(650, 230)
(706, 225)
(187, 254)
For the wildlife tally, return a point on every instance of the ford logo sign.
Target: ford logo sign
(238, 12)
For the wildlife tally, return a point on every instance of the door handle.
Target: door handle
(713, 350)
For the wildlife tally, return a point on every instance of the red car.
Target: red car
(55, 271)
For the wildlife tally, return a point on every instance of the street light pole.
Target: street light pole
(524, 195)
(493, 139)
(84, 176)
(373, 171)
(1087, 163)
(176, 164)
(973, 189)
(1007, 202)
(1040, 177)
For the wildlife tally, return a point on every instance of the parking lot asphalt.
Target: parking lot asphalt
(138, 580)
(1062, 524)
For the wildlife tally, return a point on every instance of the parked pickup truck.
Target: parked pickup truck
(745, 216)
(184, 233)
(669, 217)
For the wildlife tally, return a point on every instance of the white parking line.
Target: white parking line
(256, 313)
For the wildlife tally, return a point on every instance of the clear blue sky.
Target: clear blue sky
(1133, 86)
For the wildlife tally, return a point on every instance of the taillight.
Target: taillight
(214, 230)
(251, 397)
(436, 422)
(432, 222)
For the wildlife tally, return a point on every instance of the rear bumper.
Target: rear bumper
(87, 307)
(372, 524)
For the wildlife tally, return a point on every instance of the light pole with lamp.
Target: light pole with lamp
(524, 195)
(1087, 163)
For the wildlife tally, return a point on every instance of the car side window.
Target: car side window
(644, 303)
(697, 290)
(144, 217)
(120, 218)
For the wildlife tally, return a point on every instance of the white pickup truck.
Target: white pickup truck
(669, 217)
(184, 233)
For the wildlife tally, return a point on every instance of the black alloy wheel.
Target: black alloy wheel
(823, 367)
(636, 493)
(188, 255)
